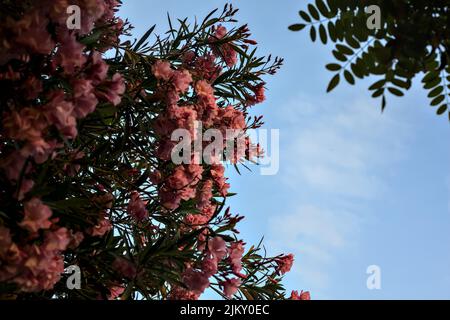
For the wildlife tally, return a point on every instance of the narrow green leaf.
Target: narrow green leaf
(323, 34)
(437, 100)
(333, 67)
(396, 92)
(334, 82)
(297, 27)
(349, 77)
(304, 16)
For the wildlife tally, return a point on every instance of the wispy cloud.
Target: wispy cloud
(339, 155)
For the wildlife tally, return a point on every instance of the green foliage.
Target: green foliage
(414, 39)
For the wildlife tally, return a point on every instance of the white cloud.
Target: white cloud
(341, 154)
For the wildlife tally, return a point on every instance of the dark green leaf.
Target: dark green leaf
(334, 82)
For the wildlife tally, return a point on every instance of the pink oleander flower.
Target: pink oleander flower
(226, 50)
(231, 286)
(37, 216)
(70, 55)
(217, 247)
(84, 100)
(235, 252)
(259, 95)
(57, 240)
(113, 90)
(59, 112)
(217, 173)
(181, 81)
(31, 32)
(27, 125)
(195, 281)
(285, 263)
(179, 293)
(115, 292)
(304, 295)
(13, 165)
(124, 267)
(98, 69)
(204, 194)
(205, 92)
(209, 266)
(136, 207)
(162, 70)
(101, 228)
(25, 187)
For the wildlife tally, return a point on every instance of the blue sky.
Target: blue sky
(355, 187)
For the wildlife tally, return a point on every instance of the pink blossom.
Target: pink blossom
(113, 90)
(209, 266)
(25, 187)
(98, 69)
(205, 92)
(85, 100)
(217, 247)
(57, 240)
(285, 263)
(231, 286)
(225, 50)
(101, 228)
(27, 124)
(36, 216)
(115, 292)
(204, 194)
(136, 207)
(217, 173)
(124, 267)
(236, 251)
(179, 293)
(195, 281)
(59, 112)
(13, 165)
(181, 80)
(31, 32)
(70, 54)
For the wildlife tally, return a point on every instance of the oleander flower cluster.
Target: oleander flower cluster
(86, 172)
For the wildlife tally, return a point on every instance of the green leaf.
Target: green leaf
(297, 27)
(344, 49)
(442, 109)
(377, 85)
(313, 34)
(304, 16)
(332, 31)
(352, 41)
(320, 4)
(430, 76)
(323, 34)
(333, 67)
(377, 93)
(144, 38)
(349, 77)
(396, 92)
(334, 82)
(383, 103)
(357, 70)
(437, 100)
(432, 83)
(339, 56)
(436, 91)
(313, 12)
